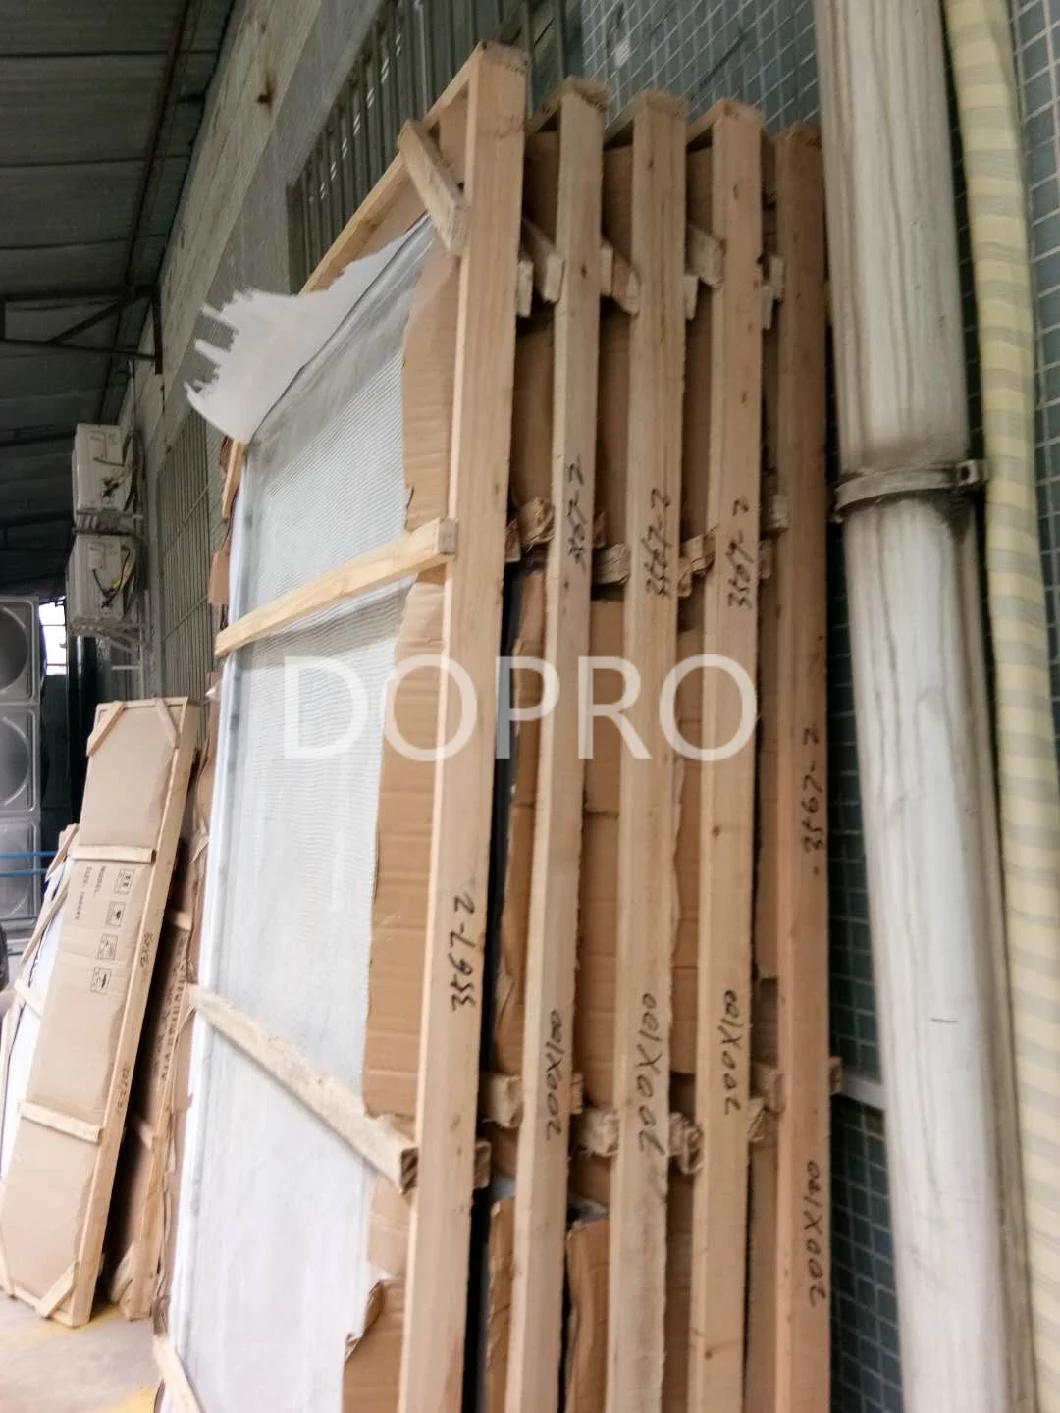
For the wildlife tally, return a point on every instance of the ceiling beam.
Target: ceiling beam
(75, 295)
(189, 13)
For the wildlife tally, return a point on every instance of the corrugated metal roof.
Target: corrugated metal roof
(101, 27)
(99, 106)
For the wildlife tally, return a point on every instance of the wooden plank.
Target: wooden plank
(585, 1375)
(760, 1392)
(411, 553)
(106, 720)
(433, 1346)
(541, 1163)
(62, 1123)
(546, 260)
(178, 1389)
(113, 853)
(620, 281)
(377, 1140)
(793, 599)
(442, 198)
(704, 255)
(237, 454)
(498, 1314)
(646, 789)
(730, 628)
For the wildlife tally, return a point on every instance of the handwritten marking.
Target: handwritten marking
(742, 561)
(731, 1030)
(649, 1077)
(462, 982)
(811, 798)
(575, 519)
(555, 1053)
(813, 1233)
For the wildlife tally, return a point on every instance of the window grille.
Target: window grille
(184, 561)
(411, 51)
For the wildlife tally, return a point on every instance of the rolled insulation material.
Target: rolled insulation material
(920, 701)
(980, 45)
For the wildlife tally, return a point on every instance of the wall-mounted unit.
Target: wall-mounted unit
(104, 468)
(19, 650)
(101, 586)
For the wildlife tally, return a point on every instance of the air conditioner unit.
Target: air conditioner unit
(101, 586)
(104, 479)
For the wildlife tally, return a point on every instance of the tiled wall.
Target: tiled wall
(1036, 33)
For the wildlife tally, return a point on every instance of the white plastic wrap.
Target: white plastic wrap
(22, 1025)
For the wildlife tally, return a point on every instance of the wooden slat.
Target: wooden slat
(233, 476)
(442, 198)
(622, 282)
(113, 853)
(730, 627)
(433, 1345)
(541, 1164)
(546, 260)
(794, 600)
(760, 1380)
(106, 721)
(62, 1123)
(178, 1389)
(704, 255)
(375, 1139)
(413, 552)
(646, 823)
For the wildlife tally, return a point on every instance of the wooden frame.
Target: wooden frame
(730, 627)
(463, 166)
(654, 126)
(792, 932)
(541, 1162)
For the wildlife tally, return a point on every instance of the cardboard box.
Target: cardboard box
(55, 1197)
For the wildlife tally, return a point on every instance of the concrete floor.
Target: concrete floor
(105, 1367)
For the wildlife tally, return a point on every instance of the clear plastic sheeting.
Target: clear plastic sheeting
(22, 1025)
(272, 1272)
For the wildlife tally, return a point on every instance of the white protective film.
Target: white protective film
(271, 1268)
(24, 1024)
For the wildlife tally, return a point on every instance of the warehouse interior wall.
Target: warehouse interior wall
(277, 75)
(280, 70)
